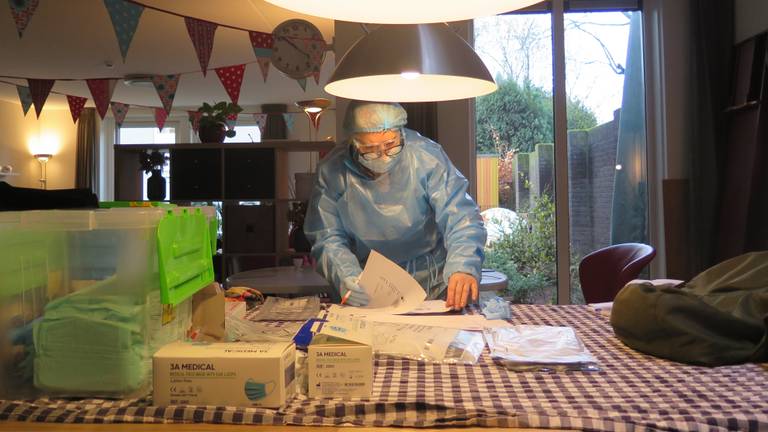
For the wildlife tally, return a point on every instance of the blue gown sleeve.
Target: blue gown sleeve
(458, 218)
(325, 230)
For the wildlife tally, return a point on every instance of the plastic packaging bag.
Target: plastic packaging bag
(493, 306)
(245, 330)
(287, 309)
(425, 343)
(545, 348)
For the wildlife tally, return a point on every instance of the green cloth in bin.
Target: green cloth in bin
(90, 344)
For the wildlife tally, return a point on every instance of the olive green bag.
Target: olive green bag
(720, 317)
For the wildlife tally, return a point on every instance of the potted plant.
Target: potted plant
(153, 162)
(213, 121)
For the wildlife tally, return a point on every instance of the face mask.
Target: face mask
(379, 166)
(255, 390)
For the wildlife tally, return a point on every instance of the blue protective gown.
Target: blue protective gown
(418, 215)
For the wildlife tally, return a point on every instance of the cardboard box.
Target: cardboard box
(231, 374)
(341, 358)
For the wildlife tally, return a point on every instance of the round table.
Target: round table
(289, 281)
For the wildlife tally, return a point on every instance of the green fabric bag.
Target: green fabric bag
(720, 317)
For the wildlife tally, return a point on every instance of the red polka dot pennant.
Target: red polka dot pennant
(119, 110)
(76, 104)
(160, 116)
(231, 78)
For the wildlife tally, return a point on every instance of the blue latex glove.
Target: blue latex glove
(357, 295)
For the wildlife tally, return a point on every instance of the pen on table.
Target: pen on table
(346, 296)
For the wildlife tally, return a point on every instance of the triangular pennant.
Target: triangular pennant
(264, 66)
(125, 18)
(201, 33)
(231, 78)
(302, 83)
(76, 104)
(166, 85)
(288, 117)
(261, 120)
(119, 110)
(194, 119)
(231, 121)
(316, 76)
(22, 11)
(160, 116)
(25, 98)
(262, 43)
(101, 91)
(39, 90)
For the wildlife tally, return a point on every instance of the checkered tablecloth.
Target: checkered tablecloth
(632, 392)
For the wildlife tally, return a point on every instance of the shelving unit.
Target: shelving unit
(250, 181)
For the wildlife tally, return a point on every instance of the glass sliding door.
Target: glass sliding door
(570, 90)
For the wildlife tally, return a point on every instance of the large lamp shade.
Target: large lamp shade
(410, 63)
(402, 11)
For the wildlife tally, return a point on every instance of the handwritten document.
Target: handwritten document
(390, 289)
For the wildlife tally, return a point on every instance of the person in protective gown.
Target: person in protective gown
(392, 190)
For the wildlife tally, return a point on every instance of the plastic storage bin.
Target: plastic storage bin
(87, 297)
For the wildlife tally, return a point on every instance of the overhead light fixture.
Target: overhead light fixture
(138, 80)
(402, 11)
(410, 63)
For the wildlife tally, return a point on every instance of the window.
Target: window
(145, 133)
(245, 133)
(520, 139)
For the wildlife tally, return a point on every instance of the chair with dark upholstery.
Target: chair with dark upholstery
(605, 271)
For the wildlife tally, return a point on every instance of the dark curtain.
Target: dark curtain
(422, 117)
(85, 166)
(712, 40)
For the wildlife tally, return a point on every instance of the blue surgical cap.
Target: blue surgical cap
(374, 117)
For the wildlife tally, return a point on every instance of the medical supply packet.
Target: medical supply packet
(287, 309)
(225, 374)
(415, 341)
(240, 329)
(530, 347)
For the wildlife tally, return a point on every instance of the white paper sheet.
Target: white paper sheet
(451, 321)
(390, 289)
(430, 307)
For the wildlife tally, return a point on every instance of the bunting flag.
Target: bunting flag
(201, 33)
(302, 83)
(22, 11)
(166, 85)
(261, 43)
(125, 18)
(194, 119)
(39, 90)
(160, 116)
(25, 97)
(231, 121)
(289, 118)
(261, 121)
(119, 110)
(316, 76)
(231, 78)
(264, 66)
(76, 104)
(101, 91)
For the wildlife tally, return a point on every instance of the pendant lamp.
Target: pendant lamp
(402, 11)
(410, 63)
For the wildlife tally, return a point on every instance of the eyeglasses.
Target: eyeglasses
(391, 151)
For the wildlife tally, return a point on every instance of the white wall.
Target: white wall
(751, 18)
(16, 132)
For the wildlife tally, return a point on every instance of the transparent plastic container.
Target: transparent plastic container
(80, 297)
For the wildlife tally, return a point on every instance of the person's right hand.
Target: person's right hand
(357, 295)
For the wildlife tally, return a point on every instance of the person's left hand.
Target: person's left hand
(459, 287)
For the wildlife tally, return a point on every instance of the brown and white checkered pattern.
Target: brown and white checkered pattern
(632, 392)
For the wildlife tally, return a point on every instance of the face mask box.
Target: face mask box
(340, 359)
(259, 374)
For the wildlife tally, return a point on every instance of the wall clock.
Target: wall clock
(298, 49)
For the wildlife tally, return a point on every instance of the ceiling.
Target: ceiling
(75, 39)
